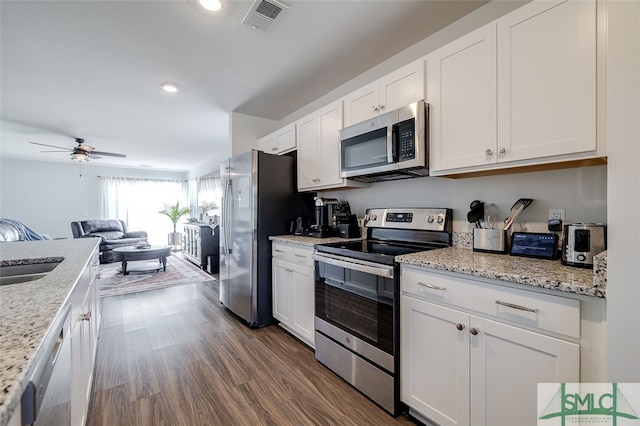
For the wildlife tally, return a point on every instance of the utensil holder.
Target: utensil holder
(490, 240)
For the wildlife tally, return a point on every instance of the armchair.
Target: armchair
(113, 233)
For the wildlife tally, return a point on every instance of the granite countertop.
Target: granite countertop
(548, 274)
(28, 309)
(300, 240)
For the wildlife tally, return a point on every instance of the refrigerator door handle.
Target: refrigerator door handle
(228, 215)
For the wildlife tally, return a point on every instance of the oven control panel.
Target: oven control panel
(430, 219)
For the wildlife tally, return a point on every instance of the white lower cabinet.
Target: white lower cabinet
(85, 328)
(293, 285)
(459, 368)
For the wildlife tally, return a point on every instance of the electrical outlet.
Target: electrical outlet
(556, 214)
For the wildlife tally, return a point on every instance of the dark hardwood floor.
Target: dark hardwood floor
(175, 356)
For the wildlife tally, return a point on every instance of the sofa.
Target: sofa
(113, 234)
(13, 230)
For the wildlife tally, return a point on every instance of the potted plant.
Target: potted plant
(174, 212)
(206, 207)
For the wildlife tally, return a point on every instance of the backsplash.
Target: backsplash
(582, 192)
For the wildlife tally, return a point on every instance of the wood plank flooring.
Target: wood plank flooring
(175, 356)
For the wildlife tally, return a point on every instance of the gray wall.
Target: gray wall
(582, 192)
(48, 196)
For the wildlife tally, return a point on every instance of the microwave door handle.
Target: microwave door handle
(391, 149)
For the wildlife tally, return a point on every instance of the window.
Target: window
(137, 201)
(209, 194)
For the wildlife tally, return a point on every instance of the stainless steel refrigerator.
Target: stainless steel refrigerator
(259, 200)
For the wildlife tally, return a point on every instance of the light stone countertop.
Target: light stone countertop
(550, 274)
(28, 309)
(300, 240)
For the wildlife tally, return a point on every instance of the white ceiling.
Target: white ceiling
(93, 69)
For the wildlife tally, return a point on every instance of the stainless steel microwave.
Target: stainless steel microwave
(390, 146)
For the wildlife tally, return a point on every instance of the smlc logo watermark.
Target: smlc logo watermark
(616, 404)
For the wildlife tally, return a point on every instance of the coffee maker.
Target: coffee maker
(325, 225)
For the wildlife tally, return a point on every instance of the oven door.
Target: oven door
(357, 298)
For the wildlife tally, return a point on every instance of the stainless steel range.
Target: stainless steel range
(358, 294)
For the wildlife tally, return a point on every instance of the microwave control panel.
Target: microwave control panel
(406, 140)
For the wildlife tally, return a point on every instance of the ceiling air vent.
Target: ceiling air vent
(263, 14)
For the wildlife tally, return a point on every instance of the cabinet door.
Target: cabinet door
(462, 98)
(547, 79)
(81, 351)
(304, 302)
(362, 104)
(282, 279)
(308, 151)
(286, 138)
(507, 363)
(434, 365)
(268, 144)
(329, 125)
(402, 87)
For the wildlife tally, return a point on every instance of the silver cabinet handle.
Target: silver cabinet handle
(301, 255)
(519, 307)
(85, 316)
(374, 108)
(502, 150)
(488, 153)
(275, 148)
(474, 331)
(460, 326)
(380, 106)
(279, 251)
(431, 286)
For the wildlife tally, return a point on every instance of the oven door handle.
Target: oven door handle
(355, 264)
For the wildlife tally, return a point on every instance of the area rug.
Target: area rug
(179, 272)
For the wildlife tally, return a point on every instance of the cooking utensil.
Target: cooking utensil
(476, 215)
(491, 215)
(516, 209)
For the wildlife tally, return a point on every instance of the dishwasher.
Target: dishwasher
(47, 398)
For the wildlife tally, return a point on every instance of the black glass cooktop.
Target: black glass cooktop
(372, 250)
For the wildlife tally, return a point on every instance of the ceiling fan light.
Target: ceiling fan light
(170, 87)
(78, 156)
(211, 5)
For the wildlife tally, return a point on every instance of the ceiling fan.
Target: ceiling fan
(82, 152)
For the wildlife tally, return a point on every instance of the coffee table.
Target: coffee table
(134, 254)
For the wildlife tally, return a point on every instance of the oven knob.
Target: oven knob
(440, 220)
(374, 217)
(430, 219)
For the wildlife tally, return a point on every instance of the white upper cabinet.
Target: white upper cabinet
(281, 141)
(395, 90)
(462, 96)
(547, 80)
(318, 137)
(519, 91)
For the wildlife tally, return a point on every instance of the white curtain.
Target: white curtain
(210, 191)
(137, 201)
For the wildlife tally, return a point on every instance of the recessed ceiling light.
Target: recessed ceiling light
(212, 5)
(169, 87)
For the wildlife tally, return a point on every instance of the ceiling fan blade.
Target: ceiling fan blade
(55, 151)
(93, 156)
(85, 148)
(51, 146)
(108, 154)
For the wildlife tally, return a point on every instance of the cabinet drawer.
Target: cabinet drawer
(293, 254)
(543, 311)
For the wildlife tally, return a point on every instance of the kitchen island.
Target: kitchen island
(28, 309)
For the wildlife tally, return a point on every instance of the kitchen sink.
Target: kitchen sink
(14, 274)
